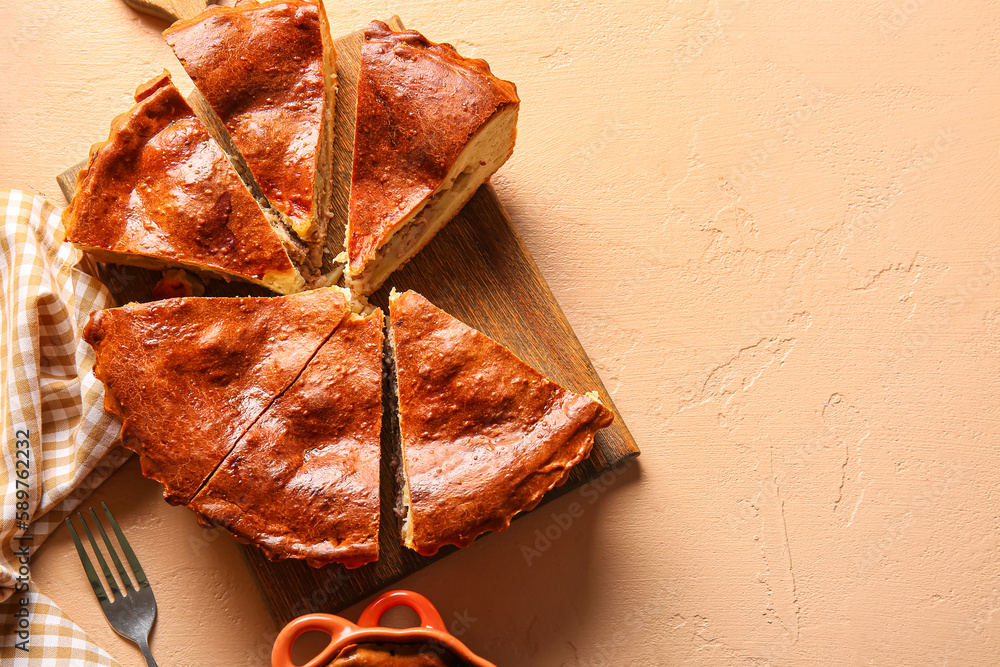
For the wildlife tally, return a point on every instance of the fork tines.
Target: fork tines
(95, 582)
(131, 614)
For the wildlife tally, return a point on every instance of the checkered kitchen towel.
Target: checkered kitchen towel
(58, 444)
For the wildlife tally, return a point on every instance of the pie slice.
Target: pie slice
(161, 193)
(189, 376)
(483, 434)
(432, 126)
(269, 72)
(304, 480)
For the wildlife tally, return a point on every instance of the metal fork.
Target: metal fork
(130, 614)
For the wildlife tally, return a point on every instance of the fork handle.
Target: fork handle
(144, 647)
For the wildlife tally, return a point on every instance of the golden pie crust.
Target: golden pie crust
(426, 654)
(483, 434)
(161, 192)
(421, 105)
(268, 71)
(264, 415)
(304, 480)
(189, 376)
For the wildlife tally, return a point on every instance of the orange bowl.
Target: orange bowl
(343, 633)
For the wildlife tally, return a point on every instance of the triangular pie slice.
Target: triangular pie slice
(189, 376)
(432, 126)
(304, 480)
(160, 192)
(483, 434)
(269, 72)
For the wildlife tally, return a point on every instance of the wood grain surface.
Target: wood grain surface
(479, 270)
(169, 10)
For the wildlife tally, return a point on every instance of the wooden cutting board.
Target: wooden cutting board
(169, 10)
(477, 269)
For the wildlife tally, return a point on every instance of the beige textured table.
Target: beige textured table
(774, 227)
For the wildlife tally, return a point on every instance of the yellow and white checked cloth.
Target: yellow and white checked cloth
(58, 444)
